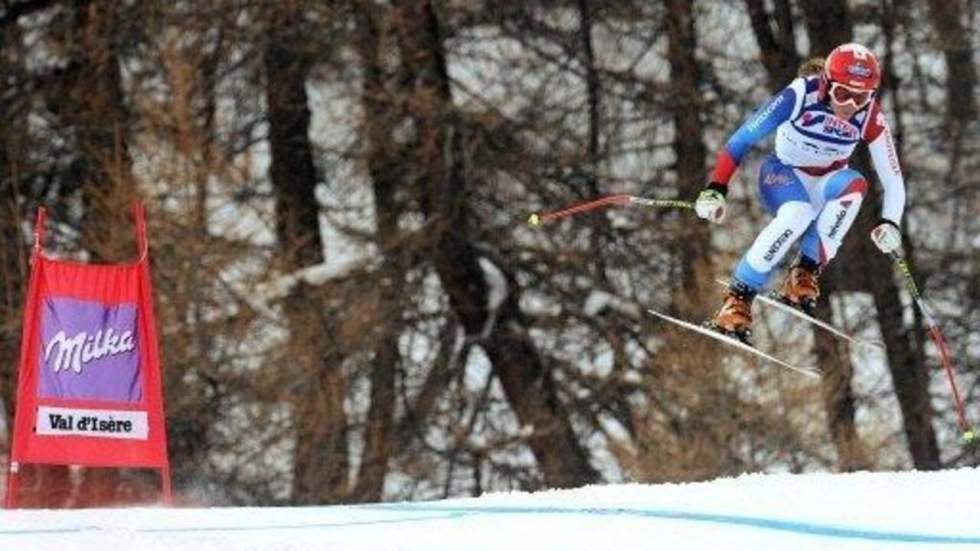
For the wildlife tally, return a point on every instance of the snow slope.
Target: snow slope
(854, 512)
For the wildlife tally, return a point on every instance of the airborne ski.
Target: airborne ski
(732, 341)
(773, 299)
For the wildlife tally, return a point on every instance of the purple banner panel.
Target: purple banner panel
(89, 351)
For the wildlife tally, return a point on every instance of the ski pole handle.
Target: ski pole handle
(662, 203)
(903, 267)
(537, 219)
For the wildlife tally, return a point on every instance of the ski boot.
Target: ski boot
(734, 319)
(800, 289)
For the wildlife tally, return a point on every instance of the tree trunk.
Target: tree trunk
(838, 394)
(320, 469)
(776, 49)
(687, 108)
(91, 101)
(953, 40)
(593, 91)
(292, 171)
(526, 381)
(593, 87)
(385, 163)
(14, 253)
(829, 25)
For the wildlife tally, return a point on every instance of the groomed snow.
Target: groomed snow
(854, 512)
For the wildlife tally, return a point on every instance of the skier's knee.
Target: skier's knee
(847, 182)
(797, 213)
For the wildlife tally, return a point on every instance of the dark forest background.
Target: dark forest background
(351, 305)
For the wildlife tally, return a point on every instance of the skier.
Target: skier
(807, 185)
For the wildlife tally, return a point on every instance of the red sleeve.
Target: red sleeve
(725, 166)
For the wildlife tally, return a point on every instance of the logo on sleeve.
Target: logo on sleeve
(765, 114)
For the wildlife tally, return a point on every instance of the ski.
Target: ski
(732, 341)
(772, 299)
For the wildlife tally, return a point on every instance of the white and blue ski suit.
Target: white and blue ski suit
(807, 184)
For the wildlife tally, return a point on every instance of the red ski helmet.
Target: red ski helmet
(853, 68)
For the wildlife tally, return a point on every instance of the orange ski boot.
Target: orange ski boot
(735, 316)
(801, 288)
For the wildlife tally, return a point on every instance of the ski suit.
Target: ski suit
(807, 185)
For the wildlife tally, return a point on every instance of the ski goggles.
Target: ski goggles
(842, 94)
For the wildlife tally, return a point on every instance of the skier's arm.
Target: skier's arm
(774, 112)
(885, 160)
(886, 234)
(710, 203)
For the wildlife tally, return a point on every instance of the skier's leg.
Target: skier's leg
(773, 242)
(782, 194)
(801, 286)
(842, 193)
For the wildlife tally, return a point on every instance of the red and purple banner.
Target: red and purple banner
(89, 390)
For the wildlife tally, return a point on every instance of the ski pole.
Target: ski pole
(969, 436)
(537, 219)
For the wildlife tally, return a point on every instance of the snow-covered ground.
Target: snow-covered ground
(854, 512)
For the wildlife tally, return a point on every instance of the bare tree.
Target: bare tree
(829, 25)
(526, 380)
(320, 465)
(777, 47)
